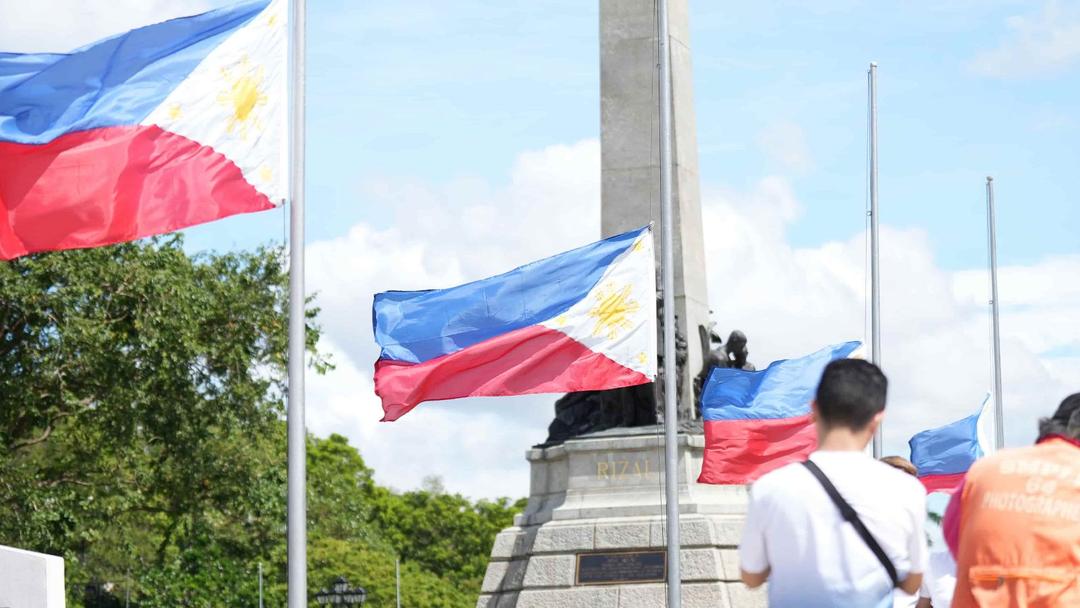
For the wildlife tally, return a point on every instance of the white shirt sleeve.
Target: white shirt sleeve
(917, 547)
(927, 578)
(753, 557)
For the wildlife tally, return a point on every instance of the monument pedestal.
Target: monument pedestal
(600, 496)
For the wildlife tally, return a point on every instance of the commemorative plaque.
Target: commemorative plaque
(621, 567)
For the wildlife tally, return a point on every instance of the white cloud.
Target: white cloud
(785, 143)
(442, 236)
(59, 26)
(1039, 302)
(935, 342)
(1037, 45)
(790, 301)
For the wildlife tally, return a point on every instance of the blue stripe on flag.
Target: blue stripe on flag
(415, 326)
(947, 449)
(782, 390)
(117, 81)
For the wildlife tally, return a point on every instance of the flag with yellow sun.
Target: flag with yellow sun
(580, 320)
(235, 101)
(163, 127)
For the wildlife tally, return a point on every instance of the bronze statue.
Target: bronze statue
(737, 352)
(714, 356)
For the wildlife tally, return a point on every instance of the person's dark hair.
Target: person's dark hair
(1065, 421)
(851, 393)
(899, 462)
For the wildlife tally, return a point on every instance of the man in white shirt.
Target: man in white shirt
(795, 536)
(939, 582)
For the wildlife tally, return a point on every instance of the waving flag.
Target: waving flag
(759, 421)
(581, 320)
(163, 127)
(942, 455)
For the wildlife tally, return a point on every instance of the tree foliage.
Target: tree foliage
(361, 528)
(446, 533)
(141, 438)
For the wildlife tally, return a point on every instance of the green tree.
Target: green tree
(445, 533)
(141, 438)
(360, 528)
(373, 569)
(339, 490)
(141, 392)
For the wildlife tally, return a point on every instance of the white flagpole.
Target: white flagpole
(671, 414)
(297, 454)
(875, 271)
(991, 228)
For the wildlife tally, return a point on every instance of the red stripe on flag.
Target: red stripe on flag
(740, 451)
(942, 483)
(533, 359)
(113, 184)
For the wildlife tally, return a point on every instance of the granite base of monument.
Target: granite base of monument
(593, 533)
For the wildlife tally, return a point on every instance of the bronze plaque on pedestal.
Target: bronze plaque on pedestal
(611, 568)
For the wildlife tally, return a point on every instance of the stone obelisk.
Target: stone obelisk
(629, 152)
(593, 533)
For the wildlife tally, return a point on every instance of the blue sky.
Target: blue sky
(445, 97)
(448, 141)
(443, 91)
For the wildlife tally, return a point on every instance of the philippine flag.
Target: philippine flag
(943, 455)
(581, 320)
(157, 129)
(759, 421)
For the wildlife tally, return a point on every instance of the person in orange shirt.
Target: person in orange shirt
(1014, 524)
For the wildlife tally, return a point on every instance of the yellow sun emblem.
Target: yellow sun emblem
(612, 311)
(265, 173)
(243, 95)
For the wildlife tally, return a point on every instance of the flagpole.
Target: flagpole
(991, 228)
(671, 414)
(875, 271)
(297, 434)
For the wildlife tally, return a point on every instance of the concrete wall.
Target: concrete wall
(30, 580)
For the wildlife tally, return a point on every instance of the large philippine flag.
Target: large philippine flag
(759, 421)
(163, 127)
(581, 320)
(944, 454)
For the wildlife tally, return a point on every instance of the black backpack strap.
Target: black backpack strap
(850, 516)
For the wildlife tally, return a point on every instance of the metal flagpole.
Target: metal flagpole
(260, 586)
(297, 470)
(397, 577)
(671, 414)
(991, 226)
(875, 271)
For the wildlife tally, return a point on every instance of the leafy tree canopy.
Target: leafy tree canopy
(141, 438)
